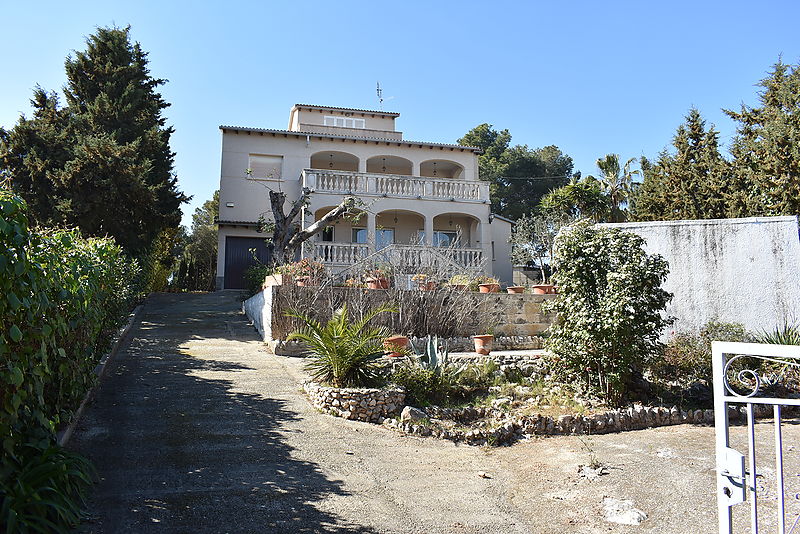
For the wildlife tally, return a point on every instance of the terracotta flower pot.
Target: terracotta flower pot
(378, 283)
(515, 290)
(483, 344)
(544, 289)
(395, 344)
(489, 288)
(427, 286)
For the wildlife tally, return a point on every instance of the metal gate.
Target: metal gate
(739, 381)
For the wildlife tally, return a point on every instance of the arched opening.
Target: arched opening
(441, 168)
(389, 165)
(457, 230)
(398, 226)
(332, 160)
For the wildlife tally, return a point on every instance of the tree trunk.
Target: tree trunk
(287, 237)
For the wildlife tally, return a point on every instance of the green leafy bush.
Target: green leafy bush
(609, 308)
(343, 353)
(64, 295)
(254, 277)
(687, 355)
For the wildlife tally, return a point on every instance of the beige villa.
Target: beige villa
(417, 194)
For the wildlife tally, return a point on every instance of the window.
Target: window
(359, 235)
(444, 239)
(265, 167)
(327, 234)
(344, 122)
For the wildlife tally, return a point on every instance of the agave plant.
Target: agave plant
(342, 353)
(437, 358)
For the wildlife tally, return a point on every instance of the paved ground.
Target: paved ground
(196, 429)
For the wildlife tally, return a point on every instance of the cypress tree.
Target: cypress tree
(692, 183)
(766, 149)
(103, 162)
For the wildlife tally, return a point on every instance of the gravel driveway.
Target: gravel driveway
(197, 429)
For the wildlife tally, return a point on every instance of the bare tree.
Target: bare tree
(287, 235)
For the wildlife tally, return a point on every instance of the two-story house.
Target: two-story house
(415, 193)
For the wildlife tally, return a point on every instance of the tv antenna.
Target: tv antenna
(380, 97)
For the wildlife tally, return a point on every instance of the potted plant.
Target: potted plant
(462, 282)
(515, 290)
(483, 343)
(377, 278)
(543, 289)
(305, 272)
(487, 284)
(396, 345)
(423, 283)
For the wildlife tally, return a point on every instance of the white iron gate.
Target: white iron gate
(737, 381)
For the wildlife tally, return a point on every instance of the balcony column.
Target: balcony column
(428, 225)
(362, 165)
(415, 168)
(371, 232)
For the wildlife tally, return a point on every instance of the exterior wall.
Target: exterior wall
(250, 196)
(501, 259)
(734, 270)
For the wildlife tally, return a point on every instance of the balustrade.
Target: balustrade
(393, 185)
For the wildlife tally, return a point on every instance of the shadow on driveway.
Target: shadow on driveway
(179, 444)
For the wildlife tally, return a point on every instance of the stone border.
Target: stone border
(510, 428)
(358, 404)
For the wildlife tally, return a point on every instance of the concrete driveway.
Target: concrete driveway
(197, 429)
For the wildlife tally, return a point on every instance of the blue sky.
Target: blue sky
(589, 77)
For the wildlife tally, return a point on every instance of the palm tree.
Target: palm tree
(616, 183)
(343, 353)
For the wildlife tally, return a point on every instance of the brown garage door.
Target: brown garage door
(238, 258)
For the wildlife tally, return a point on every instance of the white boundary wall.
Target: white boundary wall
(736, 270)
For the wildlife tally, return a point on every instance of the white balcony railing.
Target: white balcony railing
(394, 185)
(339, 253)
(351, 253)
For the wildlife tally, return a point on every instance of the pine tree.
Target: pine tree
(102, 162)
(693, 183)
(766, 149)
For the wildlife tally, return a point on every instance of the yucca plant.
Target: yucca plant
(788, 334)
(343, 353)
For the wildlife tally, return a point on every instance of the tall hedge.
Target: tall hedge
(63, 297)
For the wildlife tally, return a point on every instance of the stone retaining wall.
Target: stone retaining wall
(360, 404)
(454, 344)
(517, 320)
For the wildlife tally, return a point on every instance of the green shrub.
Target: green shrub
(609, 308)
(343, 353)
(254, 277)
(64, 296)
(687, 355)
